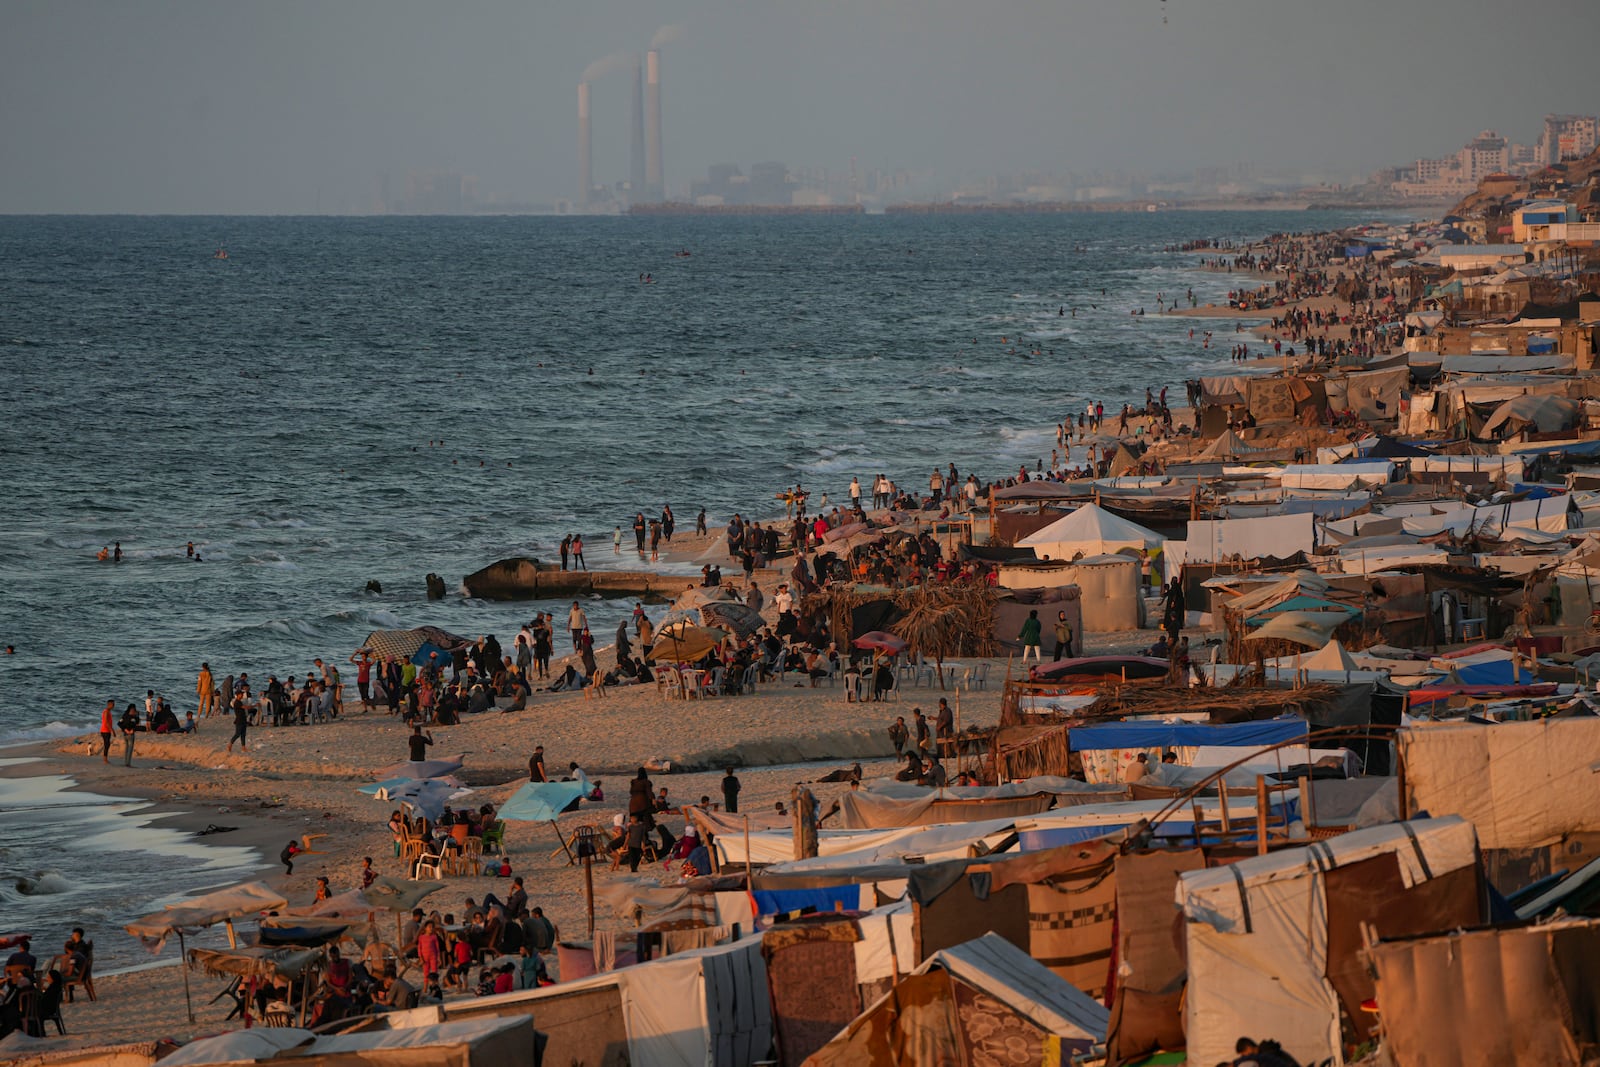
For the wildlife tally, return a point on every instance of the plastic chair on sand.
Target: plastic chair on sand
(752, 675)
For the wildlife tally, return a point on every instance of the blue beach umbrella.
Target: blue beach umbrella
(542, 802)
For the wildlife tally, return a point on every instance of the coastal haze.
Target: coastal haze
(303, 108)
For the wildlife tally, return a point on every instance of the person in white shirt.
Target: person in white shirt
(855, 491)
(576, 622)
(783, 600)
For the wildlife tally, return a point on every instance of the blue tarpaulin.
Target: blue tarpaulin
(1495, 672)
(1185, 734)
(422, 655)
(541, 801)
(775, 901)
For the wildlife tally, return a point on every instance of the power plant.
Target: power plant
(585, 155)
(646, 177)
(636, 191)
(655, 188)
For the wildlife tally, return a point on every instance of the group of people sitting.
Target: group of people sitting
(31, 996)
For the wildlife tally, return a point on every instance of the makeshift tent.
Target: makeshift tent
(1089, 531)
(1148, 735)
(683, 642)
(1279, 536)
(1273, 941)
(1228, 446)
(702, 1008)
(1057, 905)
(1522, 784)
(861, 809)
(980, 1002)
(1519, 996)
(403, 644)
(1541, 413)
(469, 1043)
(428, 796)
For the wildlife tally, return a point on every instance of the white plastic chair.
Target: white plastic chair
(431, 864)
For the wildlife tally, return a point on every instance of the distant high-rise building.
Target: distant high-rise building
(654, 178)
(636, 179)
(1484, 155)
(1568, 137)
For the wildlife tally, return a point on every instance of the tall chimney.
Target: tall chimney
(585, 159)
(636, 152)
(653, 178)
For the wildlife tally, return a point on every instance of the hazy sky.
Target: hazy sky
(197, 106)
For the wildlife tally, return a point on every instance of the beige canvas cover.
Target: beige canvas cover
(1256, 936)
(1522, 784)
(1520, 997)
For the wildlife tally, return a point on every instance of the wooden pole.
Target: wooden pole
(1261, 815)
(749, 881)
(183, 962)
(805, 823)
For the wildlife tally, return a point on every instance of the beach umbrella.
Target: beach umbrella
(683, 642)
(398, 895)
(198, 913)
(304, 930)
(846, 545)
(389, 784)
(261, 963)
(427, 796)
(879, 641)
(741, 620)
(428, 768)
(542, 802)
(1310, 628)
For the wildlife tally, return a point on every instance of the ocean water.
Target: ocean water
(73, 858)
(351, 399)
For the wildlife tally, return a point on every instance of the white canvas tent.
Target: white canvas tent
(1256, 936)
(1089, 531)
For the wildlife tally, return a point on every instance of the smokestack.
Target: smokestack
(585, 160)
(636, 153)
(654, 180)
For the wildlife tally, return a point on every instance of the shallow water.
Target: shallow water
(73, 858)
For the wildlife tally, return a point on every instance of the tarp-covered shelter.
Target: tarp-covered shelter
(1273, 942)
(983, 1001)
(700, 1008)
(1522, 784)
(1543, 414)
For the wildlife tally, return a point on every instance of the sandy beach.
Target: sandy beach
(303, 779)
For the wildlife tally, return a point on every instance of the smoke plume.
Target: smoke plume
(607, 65)
(671, 33)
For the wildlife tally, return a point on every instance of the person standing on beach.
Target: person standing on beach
(616, 541)
(1030, 636)
(667, 522)
(536, 772)
(700, 523)
(130, 725)
(730, 792)
(655, 540)
(418, 743)
(206, 689)
(624, 647)
(363, 661)
(241, 723)
(855, 493)
(577, 553)
(108, 728)
(638, 531)
(543, 644)
(1063, 635)
(577, 622)
(566, 546)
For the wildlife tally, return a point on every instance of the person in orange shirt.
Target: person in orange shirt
(205, 689)
(108, 729)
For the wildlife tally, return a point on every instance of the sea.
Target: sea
(348, 400)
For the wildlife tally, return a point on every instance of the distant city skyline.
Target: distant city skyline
(182, 106)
